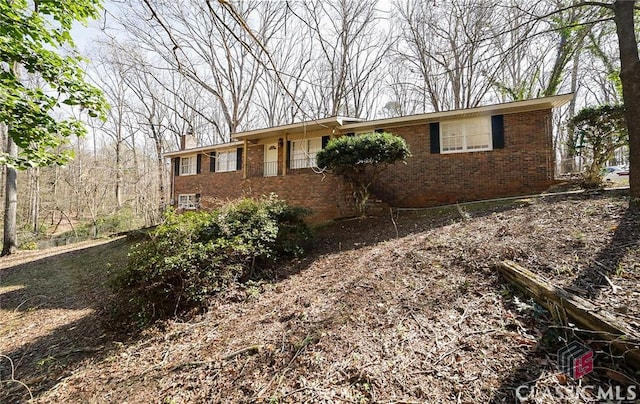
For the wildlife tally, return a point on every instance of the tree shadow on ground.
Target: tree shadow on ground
(38, 365)
(356, 233)
(43, 362)
(609, 259)
(67, 293)
(609, 368)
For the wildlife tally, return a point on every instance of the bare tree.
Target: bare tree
(446, 48)
(351, 47)
(202, 42)
(630, 76)
(281, 92)
(404, 92)
(112, 82)
(621, 13)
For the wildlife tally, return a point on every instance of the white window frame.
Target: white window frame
(187, 201)
(303, 153)
(468, 128)
(188, 165)
(227, 163)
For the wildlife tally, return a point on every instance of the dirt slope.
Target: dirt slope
(409, 310)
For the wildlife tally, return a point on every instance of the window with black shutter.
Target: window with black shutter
(212, 162)
(434, 137)
(497, 131)
(239, 158)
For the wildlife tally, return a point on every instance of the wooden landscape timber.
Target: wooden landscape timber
(585, 315)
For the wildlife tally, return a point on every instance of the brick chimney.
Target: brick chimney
(188, 141)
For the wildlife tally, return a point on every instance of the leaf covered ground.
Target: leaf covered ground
(402, 308)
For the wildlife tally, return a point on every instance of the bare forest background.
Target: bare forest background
(170, 68)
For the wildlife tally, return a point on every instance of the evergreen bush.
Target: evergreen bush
(193, 256)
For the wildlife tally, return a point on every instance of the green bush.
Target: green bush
(361, 159)
(122, 220)
(597, 133)
(195, 255)
(29, 245)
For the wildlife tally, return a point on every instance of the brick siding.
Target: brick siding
(326, 195)
(523, 166)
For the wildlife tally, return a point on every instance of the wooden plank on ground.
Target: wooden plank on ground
(581, 312)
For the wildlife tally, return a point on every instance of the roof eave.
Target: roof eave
(197, 150)
(513, 106)
(312, 125)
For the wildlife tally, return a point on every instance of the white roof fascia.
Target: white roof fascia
(295, 127)
(515, 106)
(203, 148)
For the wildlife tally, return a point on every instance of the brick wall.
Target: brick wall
(524, 166)
(325, 194)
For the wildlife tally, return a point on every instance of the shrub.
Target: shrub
(28, 245)
(122, 220)
(361, 159)
(195, 255)
(597, 133)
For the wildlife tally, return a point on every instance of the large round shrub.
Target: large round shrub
(195, 255)
(361, 159)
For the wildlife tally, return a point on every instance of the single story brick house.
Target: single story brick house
(457, 156)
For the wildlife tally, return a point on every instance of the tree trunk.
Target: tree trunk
(568, 149)
(630, 77)
(3, 142)
(161, 174)
(10, 242)
(35, 200)
(160, 171)
(118, 188)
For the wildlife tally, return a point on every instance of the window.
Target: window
(187, 201)
(303, 152)
(188, 165)
(472, 134)
(226, 161)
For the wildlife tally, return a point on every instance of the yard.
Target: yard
(403, 308)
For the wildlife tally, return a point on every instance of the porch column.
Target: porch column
(285, 155)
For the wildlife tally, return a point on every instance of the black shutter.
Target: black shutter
(325, 140)
(379, 130)
(198, 163)
(176, 166)
(239, 159)
(212, 162)
(288, 156)
(434, 134)
(497, 131)
(350, 134)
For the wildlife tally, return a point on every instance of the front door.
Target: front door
(270, 159)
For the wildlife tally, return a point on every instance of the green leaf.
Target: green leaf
(31, 44)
